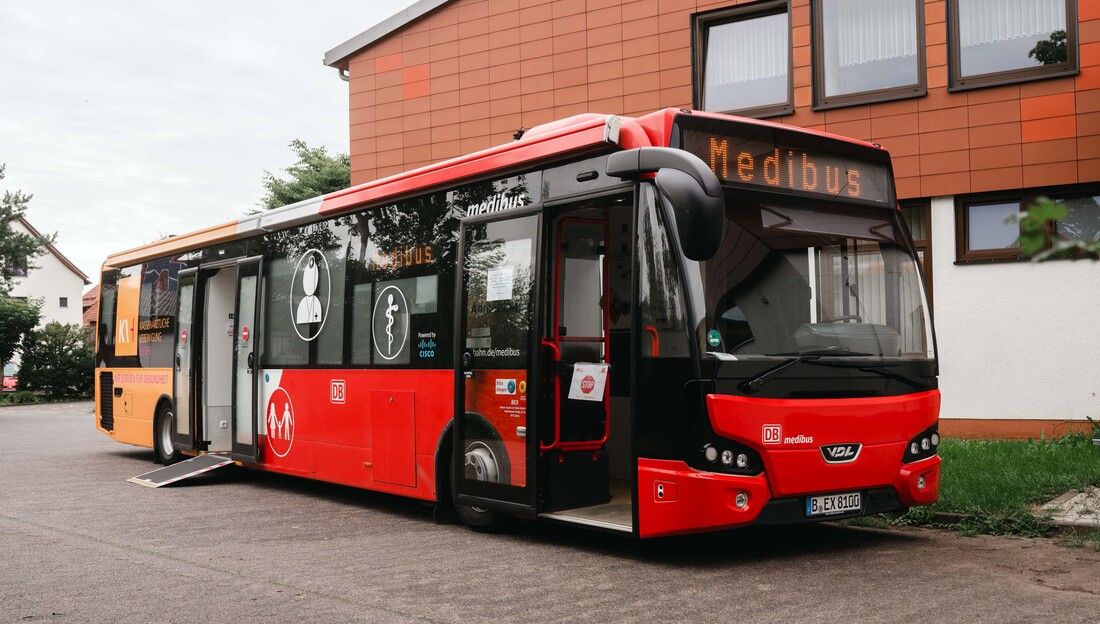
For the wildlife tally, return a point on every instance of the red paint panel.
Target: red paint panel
(393, 432)
(340, 443)
(794, 465)
(702, 501)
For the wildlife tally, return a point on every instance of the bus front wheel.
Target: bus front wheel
(485, 460)
(163, 426)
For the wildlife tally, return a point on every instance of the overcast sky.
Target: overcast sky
(131, 120)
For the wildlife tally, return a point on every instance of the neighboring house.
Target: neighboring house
(53, 279)
(90, 305)
(977, 128)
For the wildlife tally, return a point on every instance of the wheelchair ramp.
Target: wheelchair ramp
(182, 470)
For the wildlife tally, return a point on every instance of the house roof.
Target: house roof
(90, 302)
(57, 254)
(337, 56)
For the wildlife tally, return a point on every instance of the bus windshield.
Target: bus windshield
(805, 278)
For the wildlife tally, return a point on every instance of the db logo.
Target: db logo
(588, 384)
(338, 391)
(773, 434)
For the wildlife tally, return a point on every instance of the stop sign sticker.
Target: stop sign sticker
(244, 333)
(588, 382)
(183, 336)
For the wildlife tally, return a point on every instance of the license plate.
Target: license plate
(833, 504)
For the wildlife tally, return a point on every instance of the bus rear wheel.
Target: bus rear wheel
(163, 425)
(483, 462)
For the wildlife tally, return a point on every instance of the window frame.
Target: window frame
(957, 82)
(700, 29)
(1024, 198)
(888, 94)
(62, 302)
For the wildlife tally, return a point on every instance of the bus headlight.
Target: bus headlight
(722, 455)
(711, 453)
(924, 445)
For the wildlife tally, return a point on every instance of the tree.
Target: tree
(57, 361)
(315, 173)
(17, 249)
(1077, 237)
(17, 319)
(1050, 51)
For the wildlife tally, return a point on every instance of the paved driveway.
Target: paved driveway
(78, 543)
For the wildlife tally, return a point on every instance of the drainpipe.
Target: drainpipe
(345, 75)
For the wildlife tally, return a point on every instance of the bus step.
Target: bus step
(182, 470)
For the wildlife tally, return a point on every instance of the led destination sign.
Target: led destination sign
(769, 164)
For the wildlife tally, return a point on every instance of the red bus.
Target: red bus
(674, 323)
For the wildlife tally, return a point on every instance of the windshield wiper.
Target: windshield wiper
(750, 386)
(834, 351)
(879, 369)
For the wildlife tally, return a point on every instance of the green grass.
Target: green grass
(997, 483)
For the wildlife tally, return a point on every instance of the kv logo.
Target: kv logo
(125, 331)
(773, 434)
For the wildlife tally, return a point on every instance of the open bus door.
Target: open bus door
(496, 351)
(244, 445)
(184, 436)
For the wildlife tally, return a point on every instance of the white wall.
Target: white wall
(1016, 340)
(50, 281)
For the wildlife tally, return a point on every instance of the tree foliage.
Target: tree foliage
(1041, 239)
(58, 361)
(17, 249)
(316, 173)
(1050, 51)
(17, 318)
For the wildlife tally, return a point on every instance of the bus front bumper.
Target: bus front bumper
(675, 498)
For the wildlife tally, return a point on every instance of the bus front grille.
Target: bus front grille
(107, 400)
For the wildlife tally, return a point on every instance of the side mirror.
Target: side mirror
(691, 190)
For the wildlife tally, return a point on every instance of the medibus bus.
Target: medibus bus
(673, 323)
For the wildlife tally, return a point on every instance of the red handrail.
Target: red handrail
(654, 341)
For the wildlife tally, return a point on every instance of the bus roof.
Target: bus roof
(579, 134)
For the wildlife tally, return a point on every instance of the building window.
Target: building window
(17, 267)
(917, 214)
(985, 229)
(743, 60)
(1001, 41)
(867, 51)
(63, 302)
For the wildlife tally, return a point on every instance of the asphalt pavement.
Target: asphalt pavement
(80, 544)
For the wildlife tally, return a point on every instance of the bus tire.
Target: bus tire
(163, 425)
(486, 460)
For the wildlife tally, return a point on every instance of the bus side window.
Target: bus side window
(663, 315)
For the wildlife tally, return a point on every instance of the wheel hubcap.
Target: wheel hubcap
(481, 463)
(166, 426)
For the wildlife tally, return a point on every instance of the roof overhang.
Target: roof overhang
(338, 56)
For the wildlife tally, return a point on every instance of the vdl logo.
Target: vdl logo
(840, 453)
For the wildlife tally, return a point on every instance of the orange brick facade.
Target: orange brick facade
(469, 74)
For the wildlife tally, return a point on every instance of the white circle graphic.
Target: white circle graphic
(280, 424)
(308, 277)
(388, 303)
